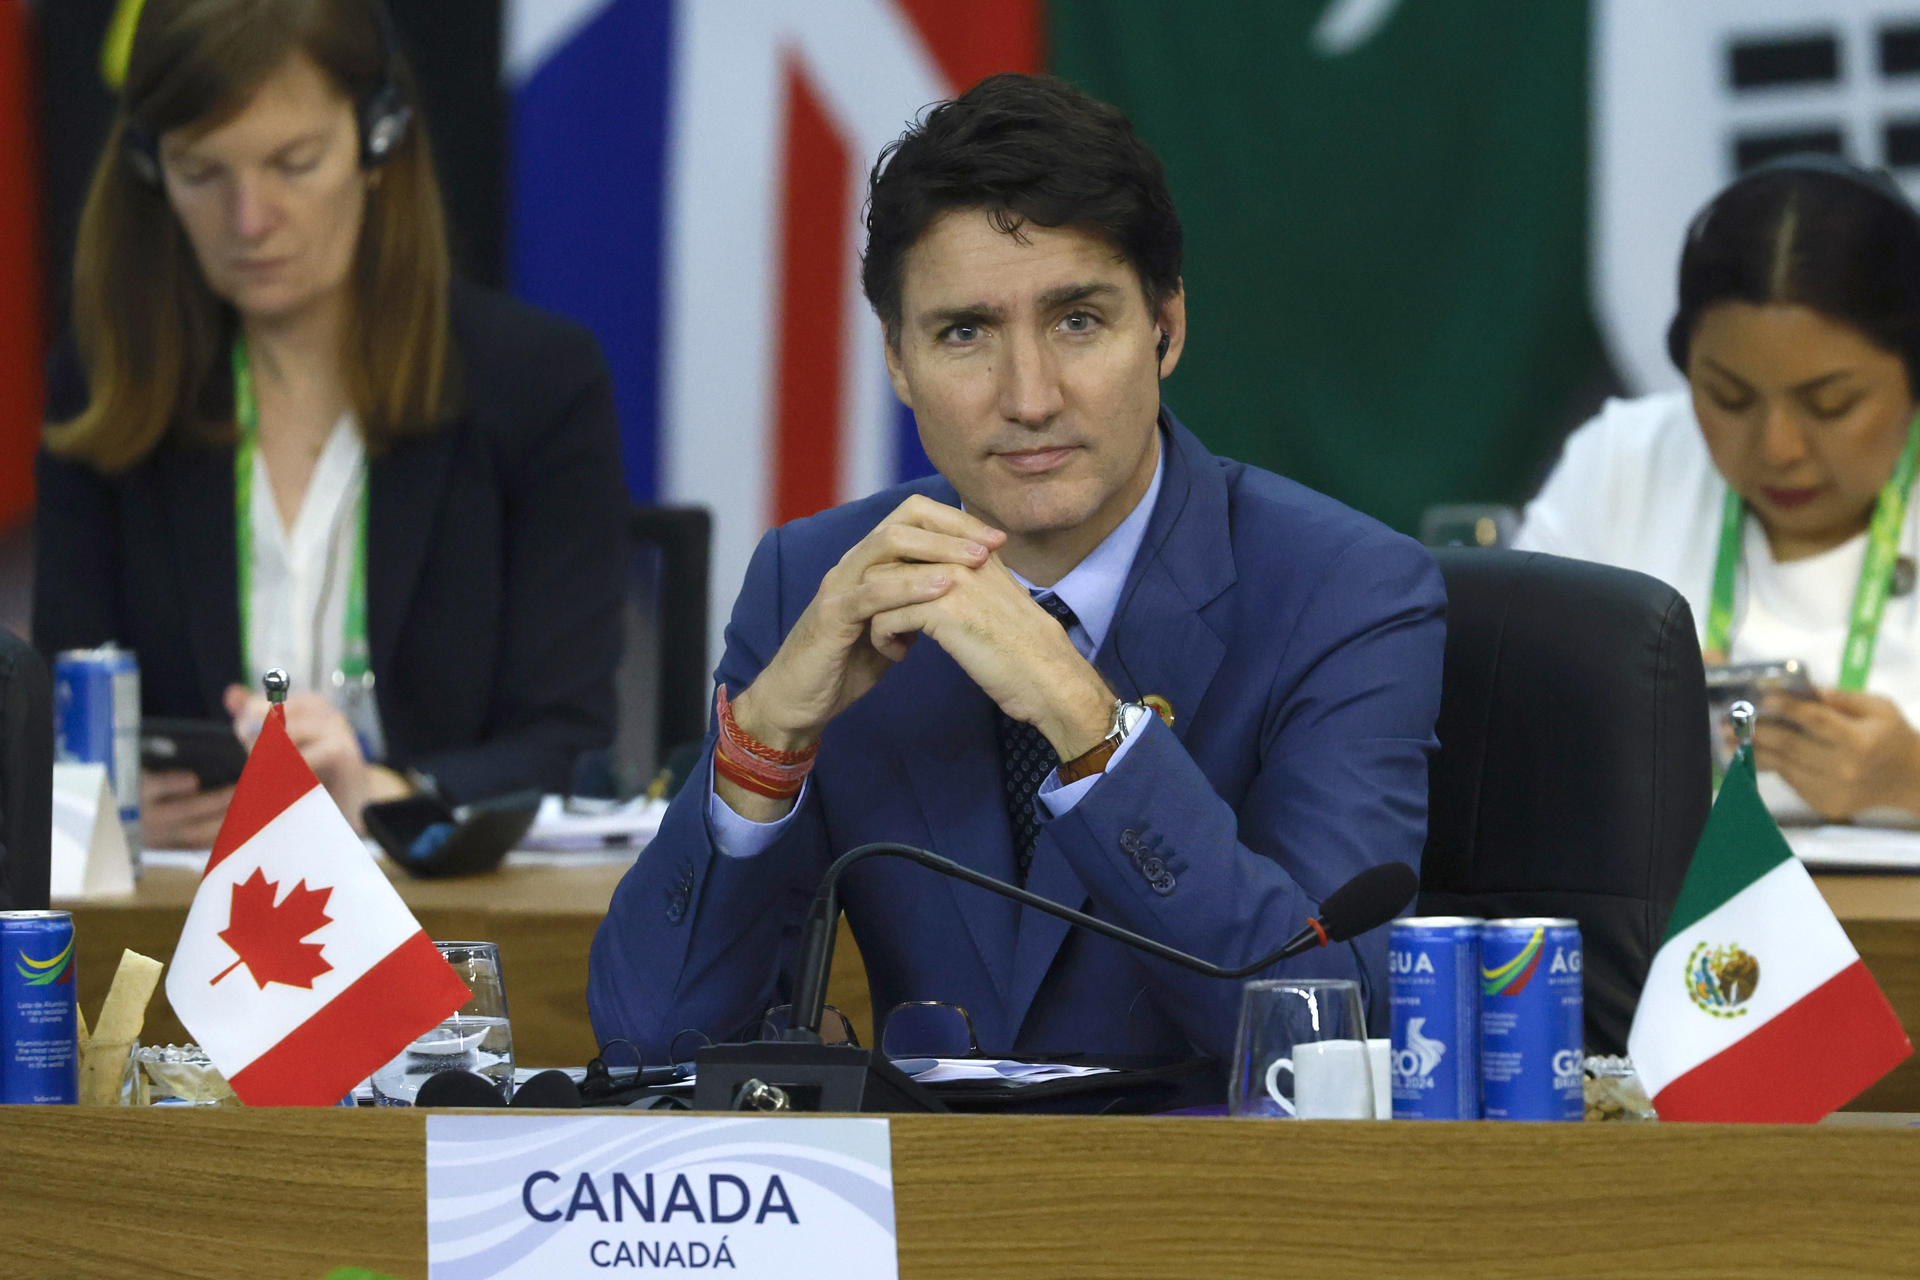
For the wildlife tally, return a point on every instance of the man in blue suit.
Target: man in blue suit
(912, 666)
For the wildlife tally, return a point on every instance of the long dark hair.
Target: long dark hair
(1813, 231)
(152, 335)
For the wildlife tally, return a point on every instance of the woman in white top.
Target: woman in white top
(1772, 492)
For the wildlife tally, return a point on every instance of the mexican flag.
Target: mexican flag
(1756, 1006)
(300, 971)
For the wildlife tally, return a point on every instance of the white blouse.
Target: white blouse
(301, 575)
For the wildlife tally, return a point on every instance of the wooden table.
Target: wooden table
(217, 1193)
(544, 916)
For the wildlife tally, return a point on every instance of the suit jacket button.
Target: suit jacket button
(1152, 868)
(1130, 840)
(676, 907)
(1162, 884)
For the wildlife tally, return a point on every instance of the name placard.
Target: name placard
(555, 1197)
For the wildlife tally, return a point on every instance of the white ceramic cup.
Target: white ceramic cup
(1327, 1080)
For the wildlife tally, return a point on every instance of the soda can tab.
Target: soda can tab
(1433, 984)
(39, 1044)
(97, 721)
(1532, 1028)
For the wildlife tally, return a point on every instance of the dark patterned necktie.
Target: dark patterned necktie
(1026, 758)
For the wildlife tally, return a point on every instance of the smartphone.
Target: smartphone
(205, 748)
(1753, 681)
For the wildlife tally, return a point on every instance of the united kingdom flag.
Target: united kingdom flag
(688, 180)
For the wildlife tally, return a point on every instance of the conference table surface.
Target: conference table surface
(542, 911)
(220, 1192)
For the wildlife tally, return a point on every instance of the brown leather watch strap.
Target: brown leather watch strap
(1088, 763)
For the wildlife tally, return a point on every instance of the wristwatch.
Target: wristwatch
(1126, 718)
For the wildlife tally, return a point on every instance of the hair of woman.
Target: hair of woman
(1810, 231)
(152, 336)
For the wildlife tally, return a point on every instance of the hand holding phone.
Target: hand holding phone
(207, 749)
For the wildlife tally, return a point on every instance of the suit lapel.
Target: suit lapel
(198, 484)
(404, 488)
(1158, 644)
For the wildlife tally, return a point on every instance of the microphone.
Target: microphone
(1365, 902)
(800, 1073)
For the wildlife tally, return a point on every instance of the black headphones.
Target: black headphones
(1166, 340)
(1877, 181)
(383, 113)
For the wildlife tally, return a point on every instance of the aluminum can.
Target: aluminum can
(1433, 983)
(97, 721)
(1531, 1020)
(39, 1050)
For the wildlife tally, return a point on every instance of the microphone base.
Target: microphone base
(814, 1077)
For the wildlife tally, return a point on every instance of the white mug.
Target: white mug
(1326, 1082)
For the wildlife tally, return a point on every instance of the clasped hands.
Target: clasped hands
(176, 814)
(928, 570)
(1842, 752)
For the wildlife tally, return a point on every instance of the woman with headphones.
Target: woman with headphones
(291, 439)
(1774, 491)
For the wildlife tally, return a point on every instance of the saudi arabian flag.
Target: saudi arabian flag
(1757, 1007)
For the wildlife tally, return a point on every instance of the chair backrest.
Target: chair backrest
(26, 776)
(662, 681)
(1574, 773)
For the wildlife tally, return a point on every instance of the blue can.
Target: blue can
(97, 721)
(39, 1048)
(1433, 981)
(1532, 1029)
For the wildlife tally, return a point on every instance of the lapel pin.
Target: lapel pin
(1161, 707)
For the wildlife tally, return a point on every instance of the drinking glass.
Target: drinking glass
(1301, 1052)
(475, 1037)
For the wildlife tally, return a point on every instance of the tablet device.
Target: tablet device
(205, 748)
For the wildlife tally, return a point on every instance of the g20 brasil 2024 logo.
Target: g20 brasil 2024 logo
(1722, 979)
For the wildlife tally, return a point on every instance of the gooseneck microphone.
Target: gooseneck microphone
(1365, 902)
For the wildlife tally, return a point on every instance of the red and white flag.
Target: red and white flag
(300, 970)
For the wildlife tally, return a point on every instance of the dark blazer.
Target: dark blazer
(495, 552)
(1299, 644)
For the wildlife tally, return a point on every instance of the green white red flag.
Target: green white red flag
(300, 971)
(1757, 1007)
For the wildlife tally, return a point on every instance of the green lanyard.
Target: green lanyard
(1876, 571)
(355, 667)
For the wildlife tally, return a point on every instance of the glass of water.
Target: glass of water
(475, 1037)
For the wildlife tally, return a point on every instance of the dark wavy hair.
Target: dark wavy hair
(1812, 231)
(1026, 149)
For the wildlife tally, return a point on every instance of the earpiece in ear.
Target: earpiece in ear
(1166, 340)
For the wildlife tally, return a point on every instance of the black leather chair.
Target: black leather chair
(662, 682)
(1574, 772)
(26, 775)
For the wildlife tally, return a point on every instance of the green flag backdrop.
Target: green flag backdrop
(1386, 268)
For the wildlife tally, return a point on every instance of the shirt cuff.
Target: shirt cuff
(1056, 800)
(738, 837)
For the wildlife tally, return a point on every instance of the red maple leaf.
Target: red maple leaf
(267, 938)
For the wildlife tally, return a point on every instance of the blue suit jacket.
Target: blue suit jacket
(1299, 644)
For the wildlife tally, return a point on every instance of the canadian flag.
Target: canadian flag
(300, 971)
